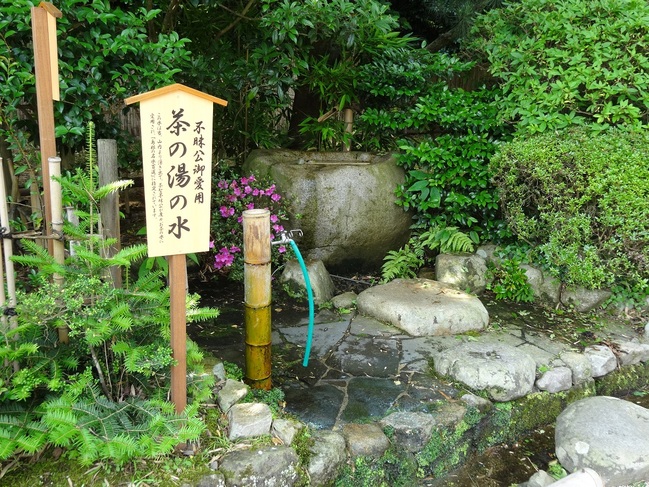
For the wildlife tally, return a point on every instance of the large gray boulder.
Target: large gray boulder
(422, 307)
(344, 203)
(545, 287)
(607, 434)
(584, 300)
(504, 372)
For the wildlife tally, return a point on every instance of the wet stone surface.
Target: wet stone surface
(366, 356)
(318, 405)
(370, 398)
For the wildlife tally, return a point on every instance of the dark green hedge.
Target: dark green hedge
(583, 201)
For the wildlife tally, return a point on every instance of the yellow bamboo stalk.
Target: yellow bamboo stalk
(257, 292)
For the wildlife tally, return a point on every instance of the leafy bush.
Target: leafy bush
(582, 201)
(230, 198)
(445, 137)
(567, 63)
(448, 178)
(509, 281)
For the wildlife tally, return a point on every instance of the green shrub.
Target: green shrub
(509, 282)
(582, 201)
(447, 175)
(567, 63)
(103, 395)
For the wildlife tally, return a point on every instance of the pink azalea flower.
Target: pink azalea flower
(281, 249)
(226, 211)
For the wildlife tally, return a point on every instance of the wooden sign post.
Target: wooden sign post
(46, 71)
(176, 125)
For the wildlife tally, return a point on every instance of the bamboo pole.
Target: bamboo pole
(257, 292)
(7, 250)
(348, 115)
(3, 297)
(178, 290)
(109, 205)
(58, 245)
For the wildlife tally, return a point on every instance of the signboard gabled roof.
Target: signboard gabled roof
(171, 88)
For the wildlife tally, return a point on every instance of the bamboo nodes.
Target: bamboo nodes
(257, 291)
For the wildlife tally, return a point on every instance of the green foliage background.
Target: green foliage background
(568, 63)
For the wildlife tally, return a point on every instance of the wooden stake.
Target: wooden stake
(109, 205)
(45, 93)
(178, 290)
(7, 248)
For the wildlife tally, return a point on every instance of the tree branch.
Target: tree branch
(239, 17)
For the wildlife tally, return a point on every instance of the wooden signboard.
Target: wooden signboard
(176, 127)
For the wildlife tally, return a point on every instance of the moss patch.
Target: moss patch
(623, 381)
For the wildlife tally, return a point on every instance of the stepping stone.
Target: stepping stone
(263, 466)
(373, 357)
(423, 307)
(366, 440)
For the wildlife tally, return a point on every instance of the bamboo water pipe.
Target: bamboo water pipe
(257, 292)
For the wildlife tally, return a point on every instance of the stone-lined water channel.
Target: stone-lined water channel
(503, 464)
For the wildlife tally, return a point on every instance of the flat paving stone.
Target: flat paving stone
(318, 405)
(369, 397)
(325, 336)
(365, 326)
(374, 357)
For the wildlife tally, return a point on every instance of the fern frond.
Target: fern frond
(91, 154)
(201, 314)
(402, 263)
(8, 445)
(454, 241)
(128, 255)
(78, 188)
(36, 250)
(109, 188)
(448, 240)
